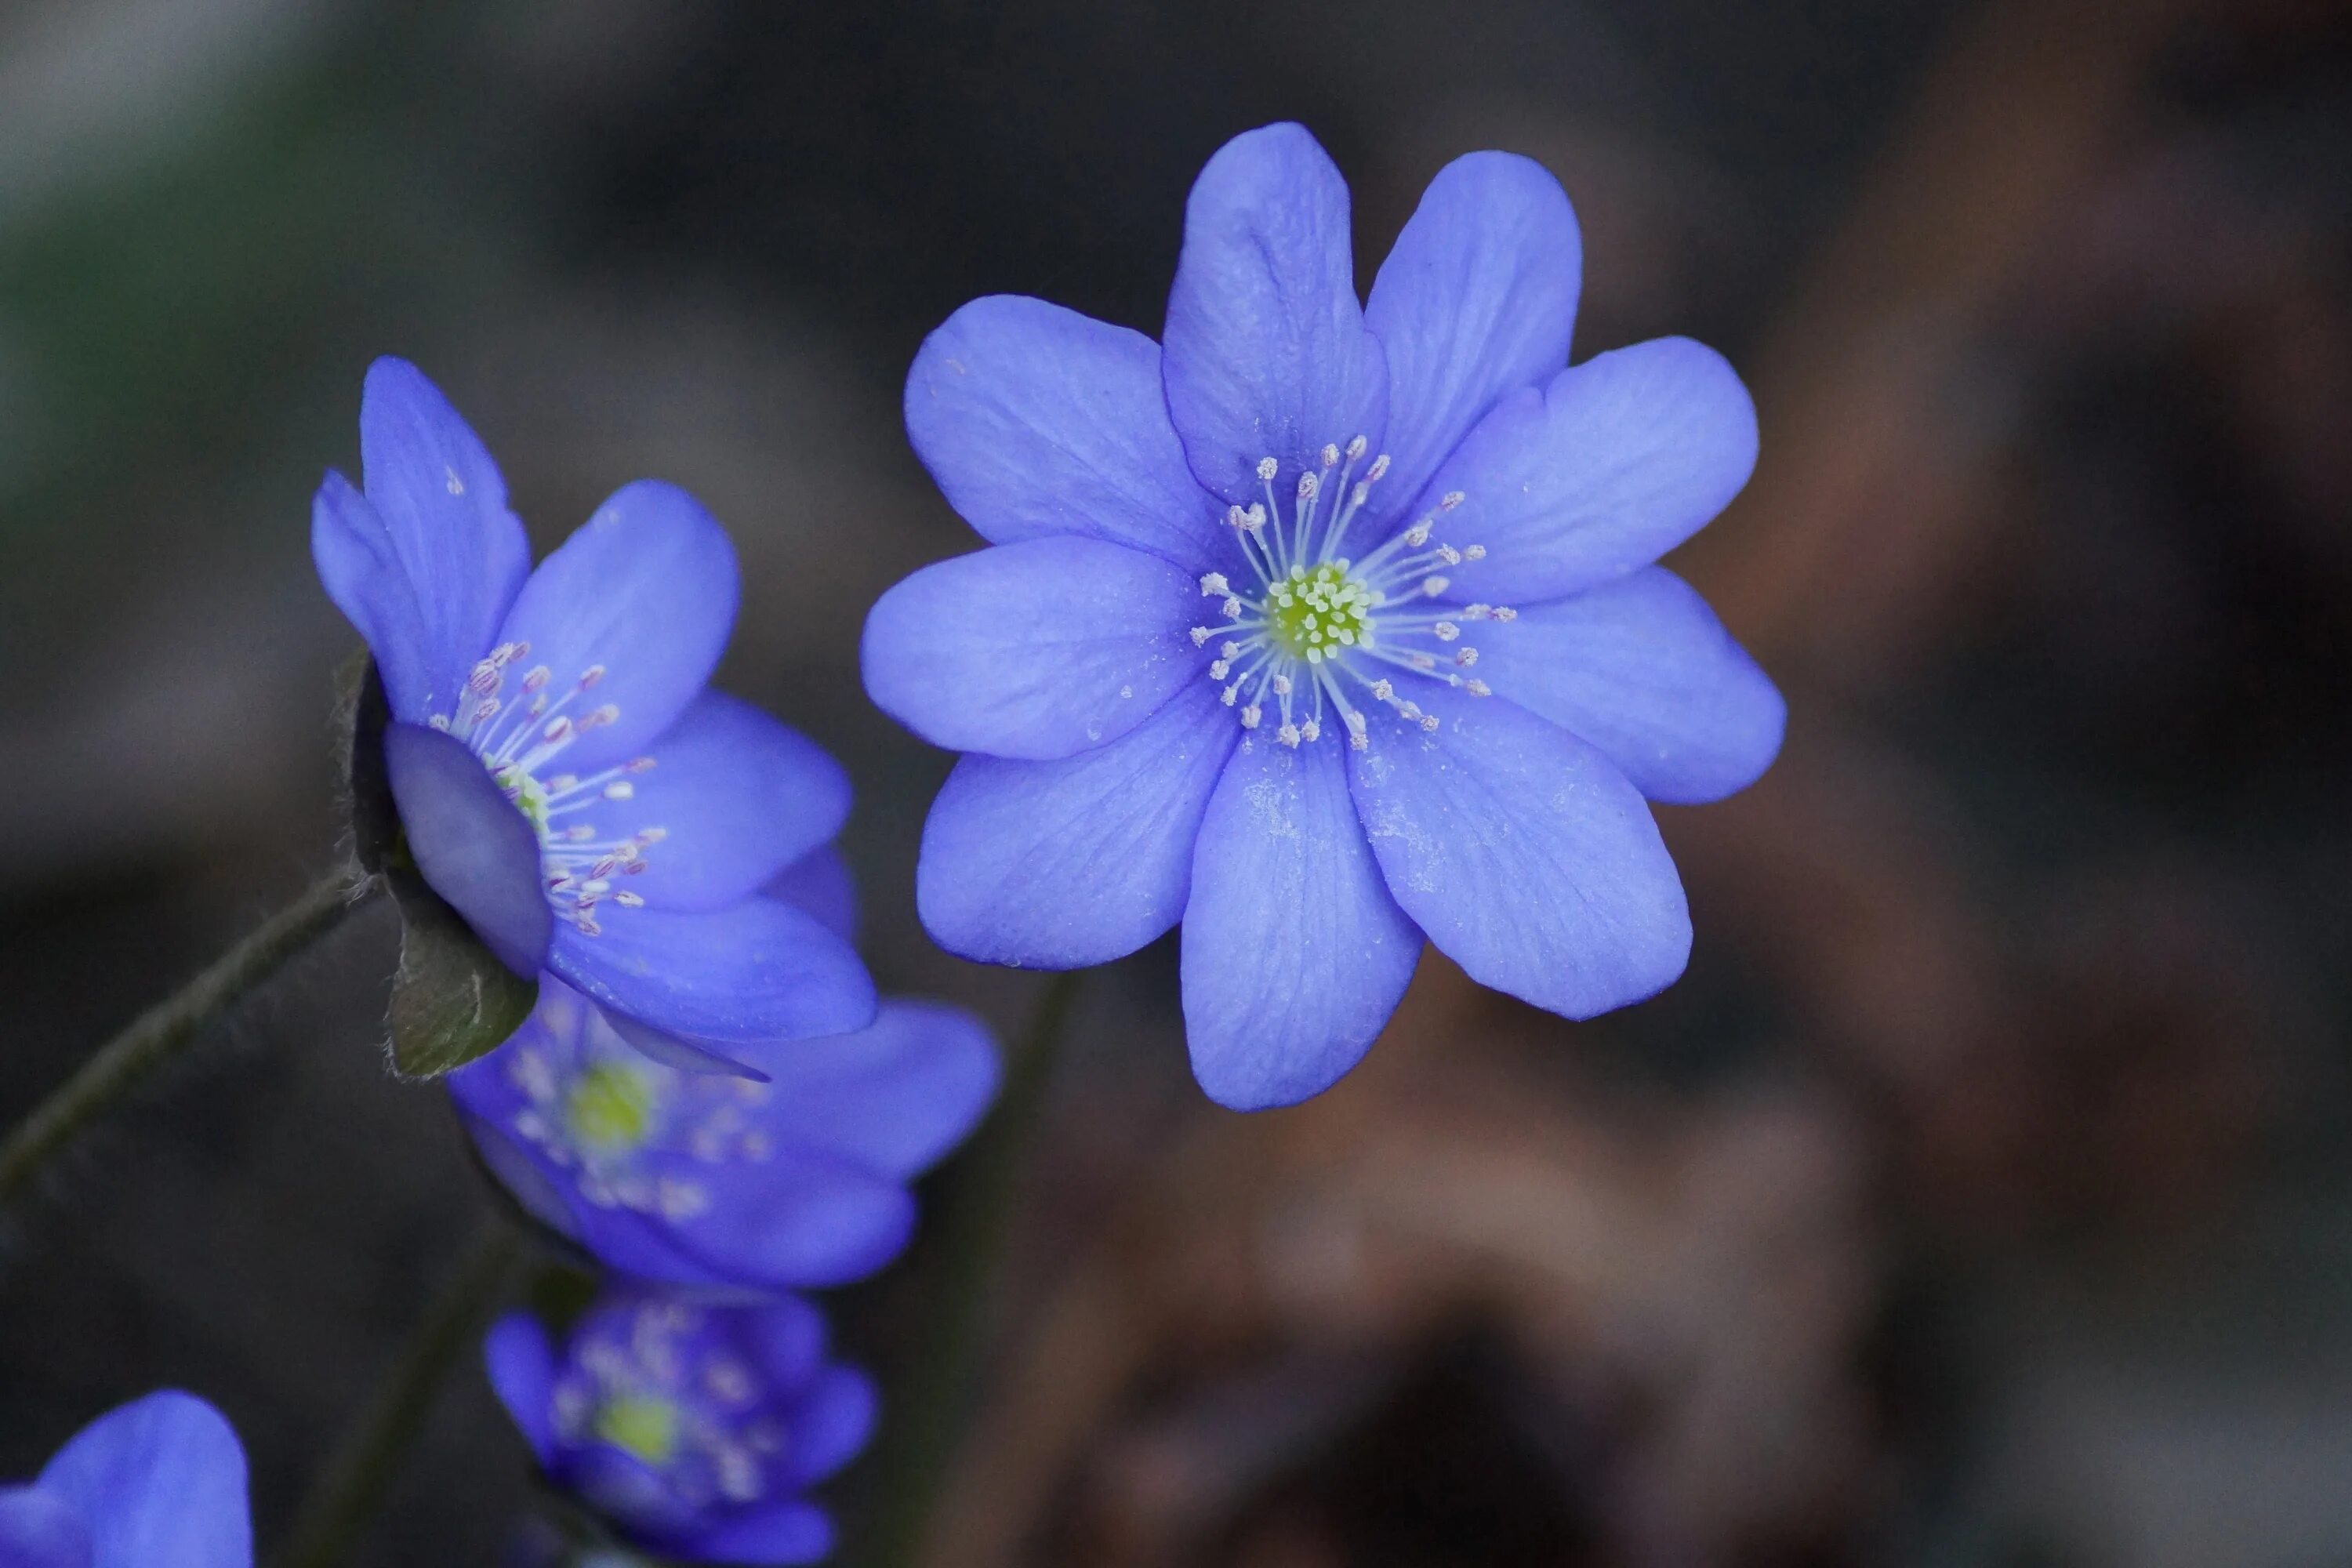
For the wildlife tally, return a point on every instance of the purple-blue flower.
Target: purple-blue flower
(694, 1429)
(158, 1481)
(564, 778)
(698, 1179)
(1324, 628)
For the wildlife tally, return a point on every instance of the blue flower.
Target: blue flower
(160, 1480)
(694, 1429)
(563, 777)
(795, 1180)
(1324, 628)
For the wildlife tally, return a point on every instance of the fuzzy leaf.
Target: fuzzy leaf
(452, 1000)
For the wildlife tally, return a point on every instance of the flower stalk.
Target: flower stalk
(975, 1219)
(165, 1030)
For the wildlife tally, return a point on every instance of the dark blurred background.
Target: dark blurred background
(1979, 1197)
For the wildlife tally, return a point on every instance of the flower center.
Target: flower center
(610, 1109)
(519, 735)
(640, 1424)
(1314, 634)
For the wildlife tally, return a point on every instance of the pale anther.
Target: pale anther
(1267, 468)
(1214, 584)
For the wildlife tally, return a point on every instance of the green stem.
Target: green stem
(928, 1407)
(166, 1029)
(366, 1460)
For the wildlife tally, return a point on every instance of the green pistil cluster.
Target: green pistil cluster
(610, 1109)
(1314, 613)
(528, 794)
(640, 1424)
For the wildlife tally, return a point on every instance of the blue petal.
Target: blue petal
(802, 1219)
(1612, 464)
(521, 1365)
(786, 1337)
(1061, 865)
(362, 570)
(448, 555)
(41, 1530)
(541, 1188)
(833, 1423)
(1266, 352)
(686, 1056)
(738, 796)
(1294, 954)
(1033, 651)
(895, 1098)
(820, 882)
(788, 1530)
(1523, 853)
(1477, 300)
(753, 972)
(644, 592)
(472, 845)
(1035, 420)
(161, 1480)
(1642, 670)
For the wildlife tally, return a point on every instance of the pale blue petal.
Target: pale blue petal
(801, 1219)
(1610, 466)
(521, 1365)
(1642, 670)
(159, 1480)
(1266, 353)
(1477, 300)
(1035, 650)
(362, 572)
(789, 1530)
(1064, 864)
(752, 973)
(475, 848)
(1294, 954)
(1523, 853)
(41, 1530)
(833, 1423)
(1035, 420)
(737, 797)
(895, 1098)
(643, 593)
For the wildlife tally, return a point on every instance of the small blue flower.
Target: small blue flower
(694, 1429)
(160, 1480)
(1324, 628)
(696, 1179)
(563, 776)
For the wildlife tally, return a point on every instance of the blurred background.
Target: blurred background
(1979, 1197)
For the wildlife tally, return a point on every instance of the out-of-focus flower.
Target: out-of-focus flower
(159, 1481)
(696, 1430)
(712, 1180)
(563, 778)
(1439, 672)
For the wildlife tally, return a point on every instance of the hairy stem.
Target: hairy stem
(928, 1406)
(168, 1028)
(366, 1459)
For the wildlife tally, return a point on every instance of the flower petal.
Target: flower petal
(895, 1098)
(735, 795)
(834, 1423)
(802, 1219)
(1477, 300)
(820, 882)
(475, 848)
(1035, 420)
(521, 1365)
(752, 973)
(642, 592)
(1266, 352)
(41, 1530)
(1612, 464)
(1524, 854)
(1064, 864)
(1033, 650)
(787, 1529)
(1641, 669)
(360, 567)
(435, 524)
(161, 1480)
(1294, 954)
